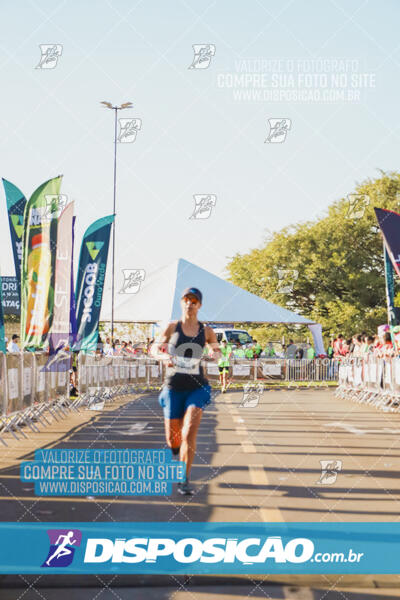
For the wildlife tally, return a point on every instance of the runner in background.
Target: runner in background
(186, 391)
(224, 364)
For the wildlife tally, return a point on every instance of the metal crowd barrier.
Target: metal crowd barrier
(292, 370)
(35, 388)
(373, 381)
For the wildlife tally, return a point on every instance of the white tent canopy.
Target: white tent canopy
(158, 301)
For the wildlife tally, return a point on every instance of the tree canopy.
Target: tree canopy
(338, 260)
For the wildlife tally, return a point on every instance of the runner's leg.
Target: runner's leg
(191, 422)
(173, 431)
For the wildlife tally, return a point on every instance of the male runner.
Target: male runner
(186, 391)
(223, 364)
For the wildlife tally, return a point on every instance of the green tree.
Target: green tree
(338, 260)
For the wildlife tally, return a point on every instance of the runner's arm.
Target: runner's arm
(212, 343)
(159, 349)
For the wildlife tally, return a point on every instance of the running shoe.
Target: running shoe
(185, 489)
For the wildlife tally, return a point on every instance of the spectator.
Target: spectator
(257, 349)
(387, 349)
(239, 352)
(291, 349)
(310, 353)
(299, 353)
(269, 351)
(107, 347)
(330, 349)
(13, 345)
(338, 346)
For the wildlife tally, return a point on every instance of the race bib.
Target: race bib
(188, 366)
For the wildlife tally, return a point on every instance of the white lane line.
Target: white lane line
(258, 477)
(248, 447)
(354, 429)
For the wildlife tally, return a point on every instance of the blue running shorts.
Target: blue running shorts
(175, 403)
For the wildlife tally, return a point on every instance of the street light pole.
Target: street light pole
(113, 226)
(115, 109)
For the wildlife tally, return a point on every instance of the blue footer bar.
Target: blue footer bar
(200, 548)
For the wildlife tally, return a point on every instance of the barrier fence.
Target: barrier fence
(36, 388)
(371, 381)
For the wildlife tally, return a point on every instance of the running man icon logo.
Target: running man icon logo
(357, 204)
(251, 395)
(329, 471)
(132, 280)
(203, 54)
(203, 204)
(50, 55)
(63, 543)
(278, 129)
(128, 129)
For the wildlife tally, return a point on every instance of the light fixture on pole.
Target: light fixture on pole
(115, 109)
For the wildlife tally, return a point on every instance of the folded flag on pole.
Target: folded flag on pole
(60, 333)
(389, 223)
(90, 282)
(16, 203)
(38, 263)
(2, 331)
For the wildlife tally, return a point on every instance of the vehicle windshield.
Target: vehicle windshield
(242, 336)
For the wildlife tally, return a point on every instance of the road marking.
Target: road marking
(241, 430)
(248, 447)
(259, 477)
(353, 429)
(238, 419)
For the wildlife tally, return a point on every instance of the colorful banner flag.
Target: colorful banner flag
(90, 282)
(389, 223)
(38, 263)
(72, 310)
(2, 331)
(59, 336)
(393, 311)
(16, 203)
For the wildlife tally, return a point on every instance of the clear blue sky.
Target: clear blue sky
(196, 136)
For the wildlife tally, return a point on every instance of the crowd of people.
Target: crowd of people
(364, 344)
(123, 348)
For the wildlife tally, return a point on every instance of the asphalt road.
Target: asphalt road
(252, 464)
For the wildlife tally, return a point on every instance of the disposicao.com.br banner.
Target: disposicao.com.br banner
(199, 548)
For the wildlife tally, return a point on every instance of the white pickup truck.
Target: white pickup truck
(233, 335)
